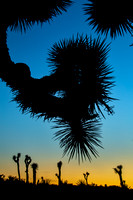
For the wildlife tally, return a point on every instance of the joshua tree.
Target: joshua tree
(86, 177)
(27, 163)
(82, 61)
(59, 165)
(111, 16)
(118, 170)
(16, 159)
(80, 65)
(34, 166)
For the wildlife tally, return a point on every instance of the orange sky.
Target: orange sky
(101, 171)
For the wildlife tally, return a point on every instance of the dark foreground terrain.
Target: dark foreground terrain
(16, 190)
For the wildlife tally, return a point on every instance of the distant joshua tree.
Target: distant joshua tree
(86, 177)
(59, 165)
(118, 170)
(16, 159)
(34, 166)
(27, 163)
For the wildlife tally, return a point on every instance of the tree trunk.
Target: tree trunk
(60, 177)
(121, 180)
(18, 170)
(6, 67)
(34, 177)
(86, 179)
(4, 52)
(27, 175)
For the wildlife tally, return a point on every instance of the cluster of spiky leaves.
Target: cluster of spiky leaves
(23, 15)
(78, 138)
(83, 81)
(34, 166)
(112, 16)
(82, 74)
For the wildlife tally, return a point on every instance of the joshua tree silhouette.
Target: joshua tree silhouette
(82, 61)
(27, 163)
(118, 170)
(16, 159)
(86, 177)
(59, 165)
(79, 64)
(111, 16)
(34, 166)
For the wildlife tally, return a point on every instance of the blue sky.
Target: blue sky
(20, 133)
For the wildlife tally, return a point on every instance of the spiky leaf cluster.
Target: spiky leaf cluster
(112, 16)
(82, 74)
(34, 166)
(83, 80)
(23, 15)
(79, 139)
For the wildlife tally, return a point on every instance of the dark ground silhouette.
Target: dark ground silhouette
(12, 186)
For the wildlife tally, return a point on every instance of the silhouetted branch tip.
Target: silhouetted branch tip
(114, 17)
(79, 140)
(24, 18)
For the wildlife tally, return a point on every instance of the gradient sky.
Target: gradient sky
(20, 133)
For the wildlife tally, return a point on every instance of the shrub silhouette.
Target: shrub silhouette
(2, 178)
(16, 159)
(27, 163)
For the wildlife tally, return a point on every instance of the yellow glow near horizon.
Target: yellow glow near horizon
(101, 173)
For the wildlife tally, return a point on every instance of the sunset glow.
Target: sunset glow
(20, 133)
